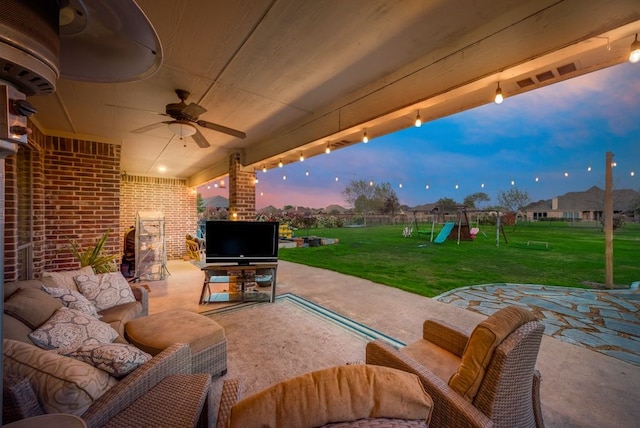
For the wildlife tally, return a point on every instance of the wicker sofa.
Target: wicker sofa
(37, 381)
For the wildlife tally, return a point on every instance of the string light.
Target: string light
(400, 185)
(457, 186)
(634, 51)
(499, 98)
(328, 149)
(566, 174)
(280, 163)
(537, 179)
(371, 183)
(365, 138)
(426, 187)
(301, 157)
(307, 173)
(284, 177)
(336, 178)
(482, 185)
(418, 120)
(264, 168)
(513, 183)
(632, 173)
(256, 180)
(589, 168)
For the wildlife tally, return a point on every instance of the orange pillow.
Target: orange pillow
(486, 337)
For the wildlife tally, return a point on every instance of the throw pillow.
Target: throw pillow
(64, 279)
(31, 306)
(62, 384)
(70, 329)
(105, 290)
(119, 359)
(72, 299)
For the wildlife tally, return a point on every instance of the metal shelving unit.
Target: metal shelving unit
(151, 253)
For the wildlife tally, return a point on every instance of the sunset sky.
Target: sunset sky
(563, 128)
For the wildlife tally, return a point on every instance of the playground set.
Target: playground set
(460, 230)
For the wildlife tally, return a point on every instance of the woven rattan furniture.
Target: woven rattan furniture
(205, 337)
(508, 393)
(176, 359)
(344, 396)
(177, 401)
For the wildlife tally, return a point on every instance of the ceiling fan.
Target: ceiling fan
(184, 117)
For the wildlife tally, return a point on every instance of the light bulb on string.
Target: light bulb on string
(365, 137)
(284, 177)
(482, 185)
(328, 149)
(589, 168)
(513, 183)
(418, 122)
(370, 183)
(426, 187)
(457, 186)
(301, 157)
(280, 163)
(336, 178)
(632, 173)
(537, 179)
(566, 174)
(400, 185)
(499, 97)
(307, 173)
(264, 168)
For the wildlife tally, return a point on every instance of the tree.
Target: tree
(473, 200)
(365, 197)
(447, 205)
(200, 204)
(514, 200)
(391, 205)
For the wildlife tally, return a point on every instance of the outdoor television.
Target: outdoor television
(242, 242)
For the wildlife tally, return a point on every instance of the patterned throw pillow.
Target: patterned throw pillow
(119, 359)
(105, 290)
(72, 299)
(62, 384)
(64, 279)
(70, 329)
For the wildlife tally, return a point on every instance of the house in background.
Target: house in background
(583, 206)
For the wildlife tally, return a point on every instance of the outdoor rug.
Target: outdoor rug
(270, 342)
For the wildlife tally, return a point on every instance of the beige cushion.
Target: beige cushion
(438, 360)
(62, 384)
(156, 332)
(70, 329)
(118, 316)
(14, 329)
(336, 394)
(31, 306)
(105, 290)
(482, 343)
(64, 279)
(118, 359)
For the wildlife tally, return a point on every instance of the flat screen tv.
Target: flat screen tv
(242, 242)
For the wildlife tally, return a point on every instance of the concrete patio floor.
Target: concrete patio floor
(580, 387)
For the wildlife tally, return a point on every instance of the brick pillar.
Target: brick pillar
(242, 190)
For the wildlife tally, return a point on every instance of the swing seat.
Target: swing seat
(473, 232)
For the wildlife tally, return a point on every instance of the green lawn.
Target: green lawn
(575, 256)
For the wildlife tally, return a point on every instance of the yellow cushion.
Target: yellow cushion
(336, 394)
(486, 337)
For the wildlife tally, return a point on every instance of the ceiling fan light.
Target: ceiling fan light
(182, 129)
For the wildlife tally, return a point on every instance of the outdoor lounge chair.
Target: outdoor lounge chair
(486, 379)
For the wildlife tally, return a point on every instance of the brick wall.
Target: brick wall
(170, 196)
(82, 197)
(242, 190)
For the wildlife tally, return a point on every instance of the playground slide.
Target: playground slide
(442, 236)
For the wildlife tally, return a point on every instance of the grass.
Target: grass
(575, 257)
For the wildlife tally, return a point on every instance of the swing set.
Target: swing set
(459, 230)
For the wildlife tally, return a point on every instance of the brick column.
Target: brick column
(242, 190)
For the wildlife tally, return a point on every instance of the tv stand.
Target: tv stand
(244, 283)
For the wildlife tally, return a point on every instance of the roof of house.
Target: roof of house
(590, 200)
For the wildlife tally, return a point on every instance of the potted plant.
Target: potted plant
(94, 255)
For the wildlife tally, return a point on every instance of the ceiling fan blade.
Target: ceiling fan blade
(149, 127)
(220, 128)
(200, 140)
(193, 110)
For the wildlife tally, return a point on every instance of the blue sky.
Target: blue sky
(566, 127)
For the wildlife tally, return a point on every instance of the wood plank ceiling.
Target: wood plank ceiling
(297, 75)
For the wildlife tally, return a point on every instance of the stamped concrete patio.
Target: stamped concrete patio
(582, 386)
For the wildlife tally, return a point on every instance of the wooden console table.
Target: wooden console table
(244, 283)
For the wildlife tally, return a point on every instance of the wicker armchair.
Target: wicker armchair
(508, 385)
(176, 359)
